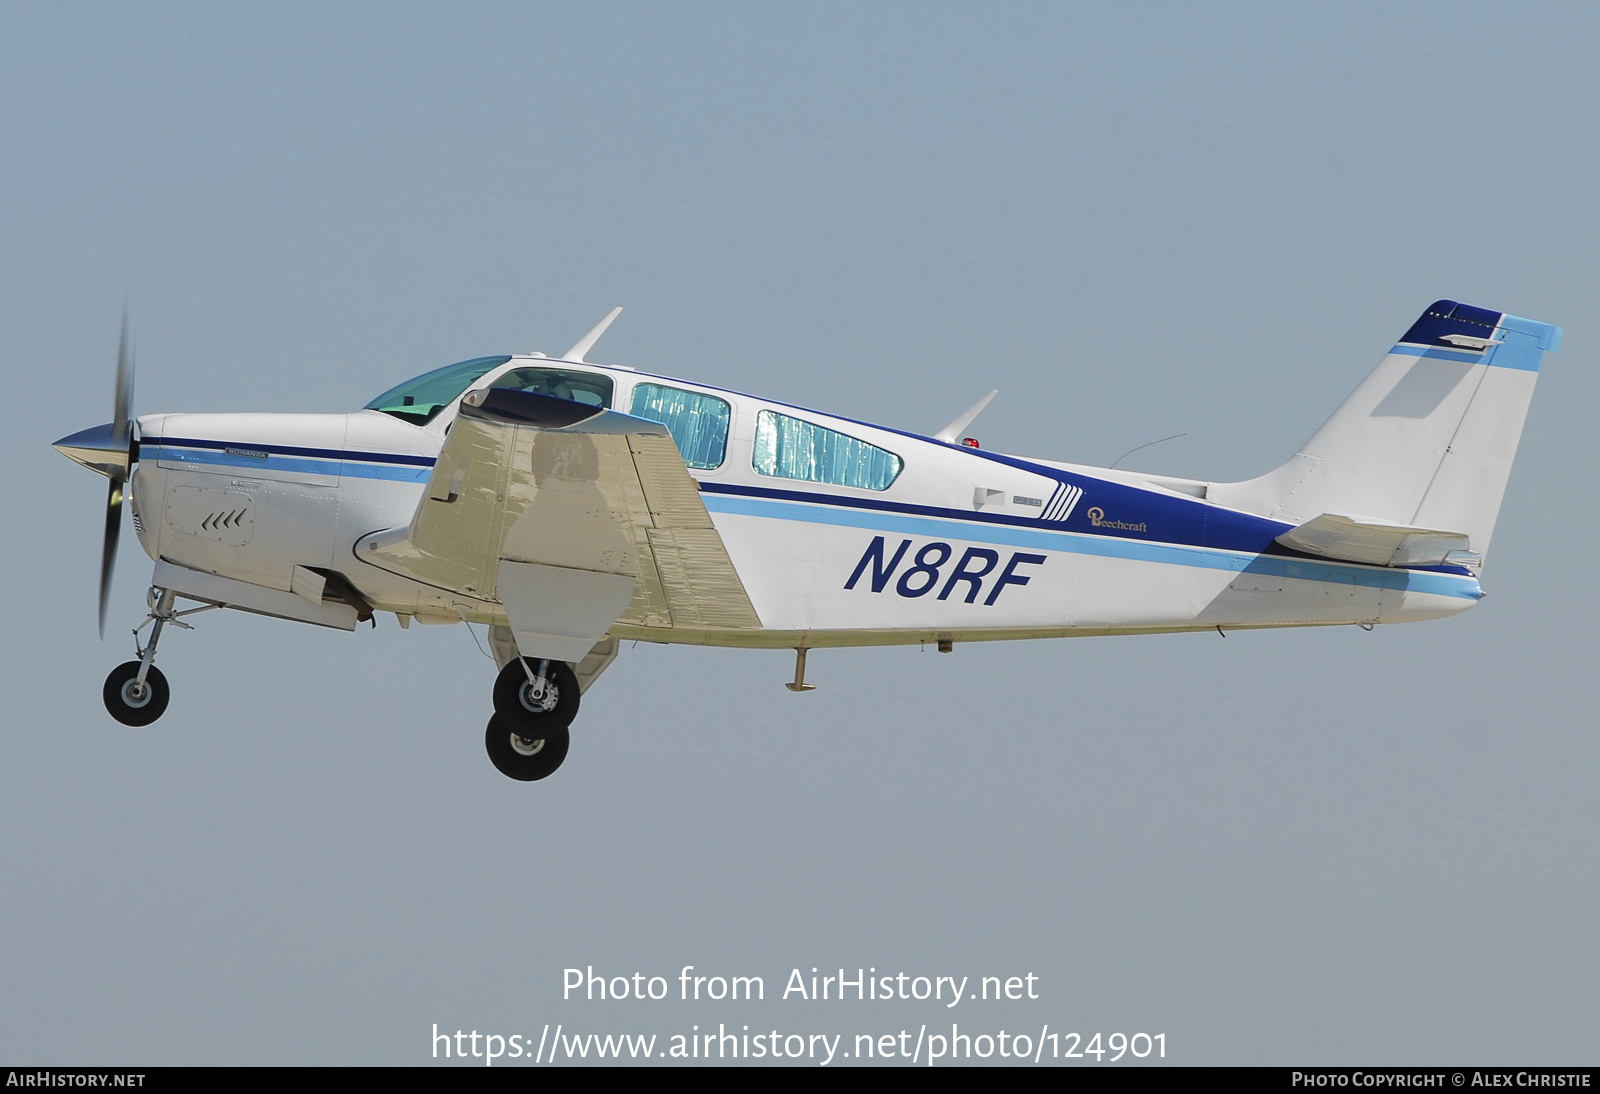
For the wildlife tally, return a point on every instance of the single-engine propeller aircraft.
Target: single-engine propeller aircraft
(567, 505)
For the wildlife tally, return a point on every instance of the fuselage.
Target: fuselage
(842, 533)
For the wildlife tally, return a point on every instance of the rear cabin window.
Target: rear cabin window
(590, 388)
(698, 423)
(788, 448)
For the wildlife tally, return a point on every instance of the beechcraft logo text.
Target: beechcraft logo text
(1097, 517)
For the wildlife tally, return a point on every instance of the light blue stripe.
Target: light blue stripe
(1102, 546)
(1517, 353)
(386, 471)
(212, 458)
(1520, 350)
(1441, 354)
(1548, 337)
(294, 465)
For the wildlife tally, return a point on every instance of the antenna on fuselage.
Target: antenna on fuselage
(950, 432)
(1142, 447)
(586, 343)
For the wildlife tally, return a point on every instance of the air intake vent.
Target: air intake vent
(223, 515)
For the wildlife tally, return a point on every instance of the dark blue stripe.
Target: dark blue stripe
(1219, 529)
(1305, 569)
(291, 450)
(1165, 519)
(1448, 317)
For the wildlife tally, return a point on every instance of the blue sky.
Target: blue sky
(1135, 221)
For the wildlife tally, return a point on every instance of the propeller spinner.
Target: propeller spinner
(112, 451)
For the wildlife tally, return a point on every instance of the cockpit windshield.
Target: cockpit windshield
(419, 399)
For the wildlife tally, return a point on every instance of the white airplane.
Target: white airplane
(567, 505)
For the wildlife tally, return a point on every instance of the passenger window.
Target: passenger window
(789, 448)
(698, 423)
(591, 388)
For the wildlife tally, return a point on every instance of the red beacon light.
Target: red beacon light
(970, 442)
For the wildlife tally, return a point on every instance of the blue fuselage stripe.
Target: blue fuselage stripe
(1103, 546)
(363, 465)
(868, 514)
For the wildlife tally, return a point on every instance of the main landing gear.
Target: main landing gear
(136, 692)
(534, 703)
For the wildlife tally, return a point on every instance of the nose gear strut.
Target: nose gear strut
(136, 692)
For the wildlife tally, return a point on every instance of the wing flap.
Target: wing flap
(702, 587)
(670, 492)
(1351, 539)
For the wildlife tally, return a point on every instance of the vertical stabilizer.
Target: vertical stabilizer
(1429, 436)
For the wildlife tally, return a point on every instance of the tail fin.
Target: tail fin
(1427, 439)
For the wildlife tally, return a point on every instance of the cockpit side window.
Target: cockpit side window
(698, 423)
(789, 448)
(590, 388)
(419, 399)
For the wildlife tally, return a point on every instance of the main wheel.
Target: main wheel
(540, 706)
(522, 758)
(133, 704)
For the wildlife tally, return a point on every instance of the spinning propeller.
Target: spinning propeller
(111, 450)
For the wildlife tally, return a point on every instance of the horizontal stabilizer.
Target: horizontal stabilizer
(1378, 544)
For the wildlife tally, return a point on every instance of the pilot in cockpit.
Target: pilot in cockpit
(592, 388)
(550, 385)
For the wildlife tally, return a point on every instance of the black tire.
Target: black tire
(129, 707)
(536, 716)
(523, 759)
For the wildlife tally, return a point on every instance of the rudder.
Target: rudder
(1427, 439)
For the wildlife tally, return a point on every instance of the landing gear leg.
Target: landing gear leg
(535, 696)
(136, 692)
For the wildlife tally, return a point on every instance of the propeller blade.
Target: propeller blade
(108, 549)
(122, 439)
(122, 410)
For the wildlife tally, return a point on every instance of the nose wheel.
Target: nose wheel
(132, 701)
(136, 693)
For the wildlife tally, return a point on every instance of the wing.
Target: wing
(1379, 544)
(571, 517)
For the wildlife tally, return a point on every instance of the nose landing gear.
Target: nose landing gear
(136, 692)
